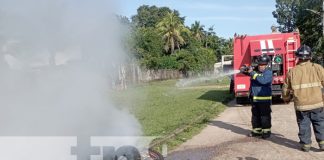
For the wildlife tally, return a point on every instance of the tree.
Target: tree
(286, 14)
(301, 14)
(123, 20)
(171, 27)
(210, 38)
(158, 33)
(197, 31)
(147, 43)
(224, 47)
(310, 27)
(149, 16)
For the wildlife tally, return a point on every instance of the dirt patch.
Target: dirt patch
(225, 138)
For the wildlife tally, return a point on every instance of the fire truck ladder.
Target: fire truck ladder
(291, 47)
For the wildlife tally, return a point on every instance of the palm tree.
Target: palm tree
(197, 31)
(210, 37)
(171, 27)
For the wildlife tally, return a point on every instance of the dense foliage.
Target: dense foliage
(306, 16)
(159, 39)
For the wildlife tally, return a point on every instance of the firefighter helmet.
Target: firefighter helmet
(263, 59)
(304, 52)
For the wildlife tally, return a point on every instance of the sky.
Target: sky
(227, 16)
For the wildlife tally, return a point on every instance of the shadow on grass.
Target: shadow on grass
(275, 138)
(217, 96)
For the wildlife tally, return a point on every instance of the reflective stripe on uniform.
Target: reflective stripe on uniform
(266, 130)
(255, 76)
(307, 85)
(257, 130)
(262, 97)
(321, 142)
(307, 145)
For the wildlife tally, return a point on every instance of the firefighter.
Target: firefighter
(261, 96)
(303, 83)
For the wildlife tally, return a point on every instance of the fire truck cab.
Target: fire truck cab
(280, 47)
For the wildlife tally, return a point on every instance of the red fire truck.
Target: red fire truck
(280, 47)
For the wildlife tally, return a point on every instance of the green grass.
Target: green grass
(162, 108)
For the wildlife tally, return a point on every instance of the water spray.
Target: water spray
(191, 81)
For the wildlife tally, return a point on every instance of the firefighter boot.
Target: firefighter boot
(266, 133)
(252, 134)
(321, 147)
(306, 147)
(256, 132)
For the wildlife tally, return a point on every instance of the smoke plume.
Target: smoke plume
(57, 59)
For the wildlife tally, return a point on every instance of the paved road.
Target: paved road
(225, 138)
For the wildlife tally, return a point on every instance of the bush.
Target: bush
(186, 61)
(205, 59)
(147, 43)
(168, 62)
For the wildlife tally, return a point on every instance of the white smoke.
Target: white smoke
(57, 58)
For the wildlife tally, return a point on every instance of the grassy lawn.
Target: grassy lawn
(162, 108)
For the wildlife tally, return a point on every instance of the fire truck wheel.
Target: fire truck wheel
(241, 100)
(231, 89)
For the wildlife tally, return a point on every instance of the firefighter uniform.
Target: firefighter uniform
(261, 96)
(303, 83)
